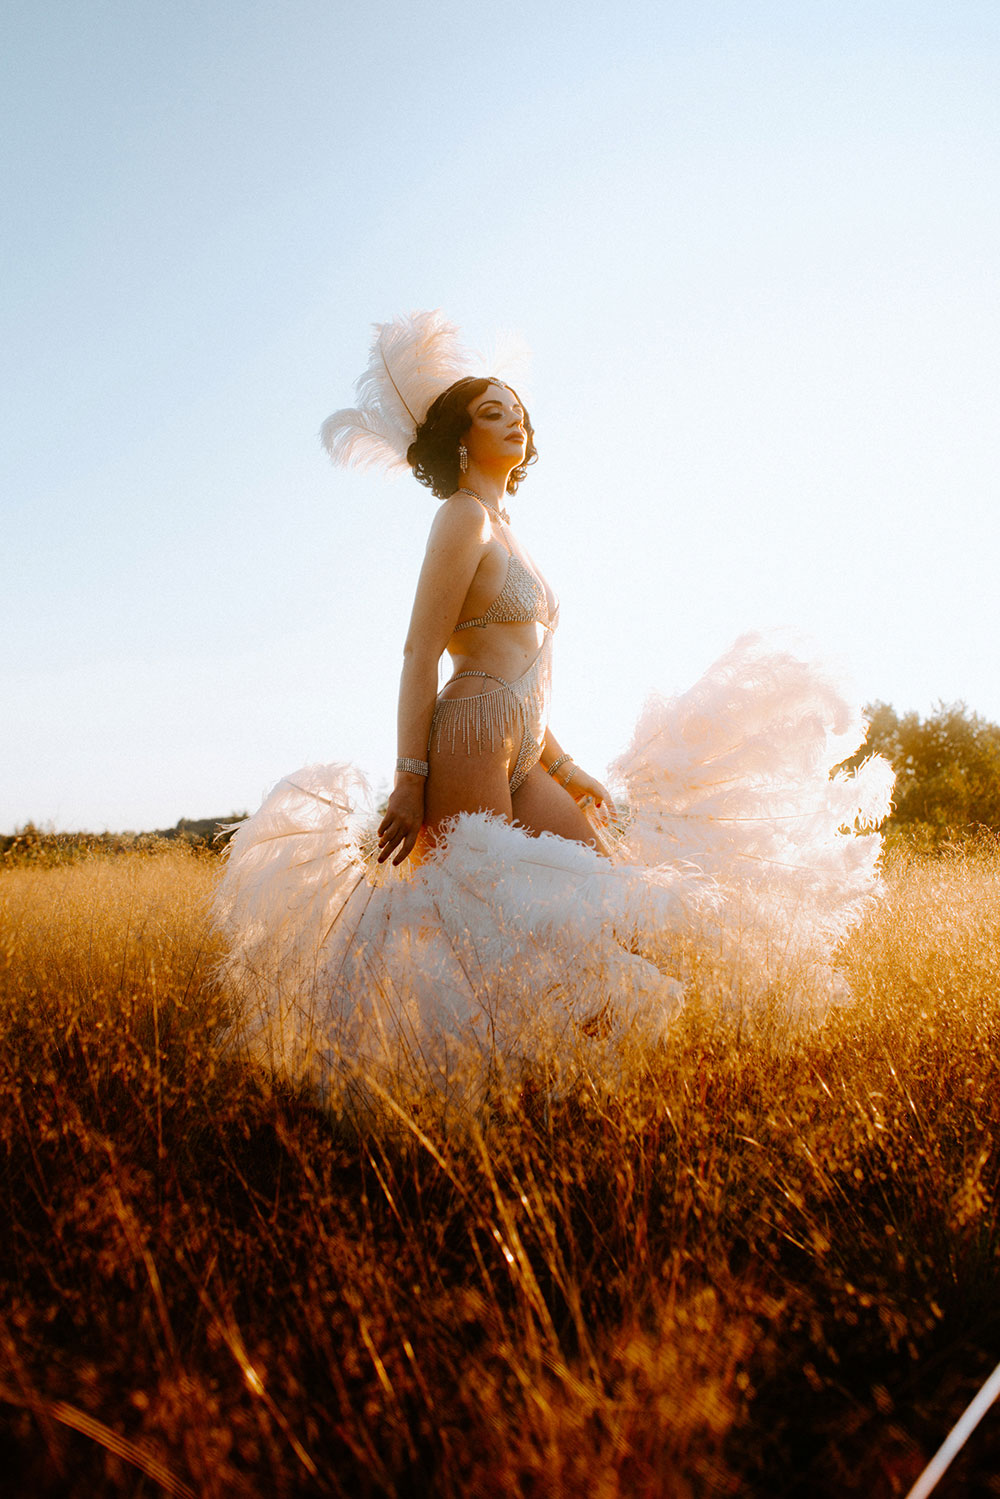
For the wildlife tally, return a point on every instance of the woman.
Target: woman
(485, 745)
(512, 938)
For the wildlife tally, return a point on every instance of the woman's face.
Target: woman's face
(496, 436)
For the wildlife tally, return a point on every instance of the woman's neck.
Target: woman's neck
(488, 485)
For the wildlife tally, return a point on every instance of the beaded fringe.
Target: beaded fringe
(475, 720)
(489, 716)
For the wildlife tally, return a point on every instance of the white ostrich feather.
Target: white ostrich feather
(508, 356)
(413, 359)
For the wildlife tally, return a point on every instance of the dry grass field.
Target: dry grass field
(756, 1266)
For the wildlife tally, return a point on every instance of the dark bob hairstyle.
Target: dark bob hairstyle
(433, 453)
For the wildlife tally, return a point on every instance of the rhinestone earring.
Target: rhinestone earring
(463, 457)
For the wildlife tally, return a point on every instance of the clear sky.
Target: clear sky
(753, 246)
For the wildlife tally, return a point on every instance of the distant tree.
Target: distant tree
(947, 769)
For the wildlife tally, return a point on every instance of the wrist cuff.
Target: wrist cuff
(412, 767)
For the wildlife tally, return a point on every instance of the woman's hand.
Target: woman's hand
(588, 793)
(404, 817)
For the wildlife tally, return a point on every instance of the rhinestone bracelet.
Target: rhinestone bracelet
(412, 767)
(556, 763)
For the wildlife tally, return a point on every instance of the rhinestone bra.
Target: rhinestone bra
(521, 600)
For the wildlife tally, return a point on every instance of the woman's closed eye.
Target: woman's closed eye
(495, 414)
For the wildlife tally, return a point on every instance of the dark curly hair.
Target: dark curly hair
(433, 453)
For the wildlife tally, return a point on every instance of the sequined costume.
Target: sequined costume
(510, 707)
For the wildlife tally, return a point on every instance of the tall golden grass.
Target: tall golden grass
(756, 1264)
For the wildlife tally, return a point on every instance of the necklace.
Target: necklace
(498, 515)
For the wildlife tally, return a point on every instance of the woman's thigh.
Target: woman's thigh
(542, 806)
(463, 780)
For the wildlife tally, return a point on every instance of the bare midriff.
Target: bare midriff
(504, 651)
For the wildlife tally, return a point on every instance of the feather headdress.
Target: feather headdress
(413, 359)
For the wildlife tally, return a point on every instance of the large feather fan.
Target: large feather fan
(413, 359)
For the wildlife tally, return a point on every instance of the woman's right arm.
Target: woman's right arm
(454, 550)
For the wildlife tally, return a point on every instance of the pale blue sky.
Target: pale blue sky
(753, 246)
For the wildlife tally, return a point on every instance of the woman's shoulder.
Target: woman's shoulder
(460, 521)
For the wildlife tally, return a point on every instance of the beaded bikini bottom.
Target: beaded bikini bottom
(492, 716)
